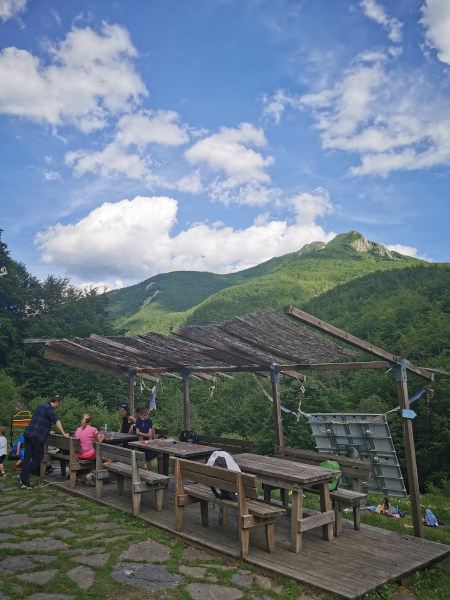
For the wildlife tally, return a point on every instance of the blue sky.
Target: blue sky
(147, 136)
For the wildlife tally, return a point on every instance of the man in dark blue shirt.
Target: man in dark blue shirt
(36, 435)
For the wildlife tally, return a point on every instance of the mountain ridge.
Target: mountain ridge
(198, 297)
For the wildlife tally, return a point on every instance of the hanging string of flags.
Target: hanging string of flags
(300, 413)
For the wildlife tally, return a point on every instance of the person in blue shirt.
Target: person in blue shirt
(19, 451)
(145, 431)
(36, 435)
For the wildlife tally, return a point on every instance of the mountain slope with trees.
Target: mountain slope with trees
(199, 298)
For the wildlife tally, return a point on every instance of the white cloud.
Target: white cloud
(139, 130)
(230, 151)
(237, 170)
(89, 78)
(275, 106)
(385, 118)
(436, 20)
(11, 8)
(161, 127)
(406, 251)
(376, 12)
(131, 240)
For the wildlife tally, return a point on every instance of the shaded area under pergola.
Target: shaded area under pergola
(263, 341)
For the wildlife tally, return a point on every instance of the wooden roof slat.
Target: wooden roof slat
(273, 333)
(353, 340)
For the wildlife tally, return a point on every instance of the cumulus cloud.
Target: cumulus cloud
(374, 113)
(137, 130)
(237, 170)
(11, 8)
(89, 77)
(436, 20)
(133, 240)
(373, 10)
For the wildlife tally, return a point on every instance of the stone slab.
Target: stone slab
(148, 551)
(96, 560)
(39, 577)
(212, 591)
(148, 576)
(82, 576)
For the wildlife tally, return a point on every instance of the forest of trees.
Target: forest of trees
(399, 310)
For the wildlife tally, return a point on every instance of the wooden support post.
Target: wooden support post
(275, 379)
(408, 439)
(186, 400)
(131, 391)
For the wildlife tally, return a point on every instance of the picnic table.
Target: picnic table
(294, 476)
(180, 449)
(117, 438)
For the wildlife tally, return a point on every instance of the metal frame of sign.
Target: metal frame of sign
(361, 436)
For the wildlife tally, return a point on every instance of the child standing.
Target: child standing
(3, 450)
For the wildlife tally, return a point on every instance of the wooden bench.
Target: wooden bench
(129, 464)
(65, 450)
(251, 512)
(353, 468)
(230, 445)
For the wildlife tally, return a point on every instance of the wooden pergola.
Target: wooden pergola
(264, 342)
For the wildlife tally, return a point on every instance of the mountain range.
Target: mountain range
(193, 297)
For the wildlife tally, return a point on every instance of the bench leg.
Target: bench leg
(136, 503)
(244, 537)
(120, 483)
(62, 464)
(356, 517)
(98, 488)
(225, 513)
(159, 499)
(204, 512)
(72, 479)
(296, 515)
(337, 518)
(270, 537)
(179, 516)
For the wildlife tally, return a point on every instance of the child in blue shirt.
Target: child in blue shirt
(145, 431)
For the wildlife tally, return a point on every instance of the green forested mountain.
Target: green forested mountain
(197, 298)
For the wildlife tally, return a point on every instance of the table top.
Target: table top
(181, 449)
(117, 437)
(283, 473)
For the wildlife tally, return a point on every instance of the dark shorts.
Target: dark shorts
(2, 458)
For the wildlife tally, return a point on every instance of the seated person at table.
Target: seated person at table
(19, 451)
(385, 508)
(87, 436)
(145, 431)
(128, 420)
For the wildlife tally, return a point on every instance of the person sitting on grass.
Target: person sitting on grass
(19, 451)
(145, 431)
(385, 508)
(87, 436)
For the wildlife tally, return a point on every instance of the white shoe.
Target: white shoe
(90, 478)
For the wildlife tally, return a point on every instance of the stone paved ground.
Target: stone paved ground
(57, 547)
